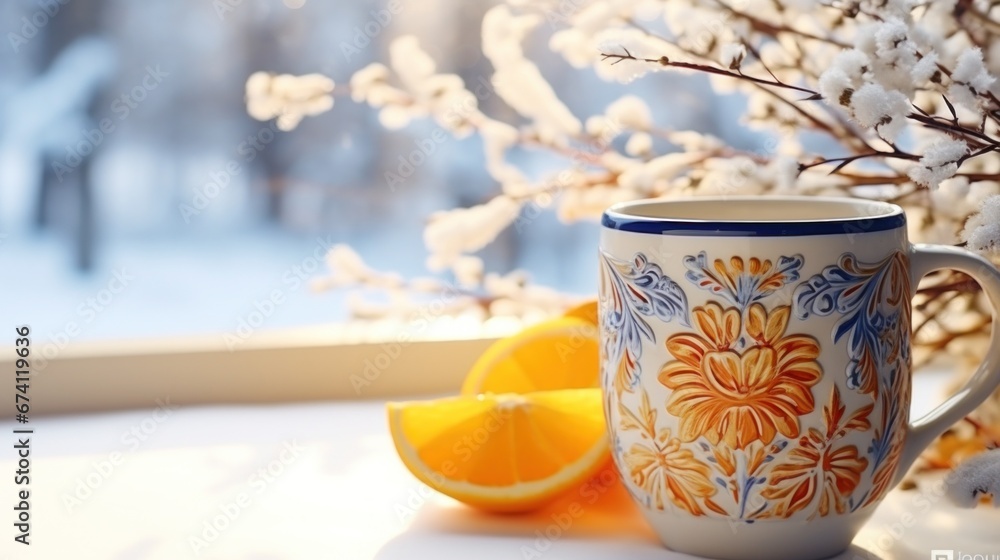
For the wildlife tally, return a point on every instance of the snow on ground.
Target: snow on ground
(166, 287)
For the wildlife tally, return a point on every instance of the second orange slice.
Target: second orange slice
(560, 353)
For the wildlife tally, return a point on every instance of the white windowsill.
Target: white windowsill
(308, 364)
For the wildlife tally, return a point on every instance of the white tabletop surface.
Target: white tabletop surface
(340, 493)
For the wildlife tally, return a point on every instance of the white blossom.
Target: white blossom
(895, 8)
(653, 175)
(443, 96)
(600, 126)
(690, 141)
(697, 25)
(975, 478)
(425, 284)
(785, 174)
(884, 110)
(452, 233)
(631, 112)
(951, 200)
(395, 117)
(599, 27)
(732, 176)
(970, 70)
(410, 62)
(346, 261)
(617, 162)
(346, 268)
(517, 80)
(589, 203)
(509, 284)
(939, 162)
(969, 79)
(639, 144)
(865, 39)
(731, 55)
(287, 98)
(982, 231)
(498, 137)
(854, 63)
(836, 86)
(925, 68)
(893, 46)
(574, 45)
(468, 271)
(367, 80)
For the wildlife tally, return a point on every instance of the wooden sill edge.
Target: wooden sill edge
(308, 364)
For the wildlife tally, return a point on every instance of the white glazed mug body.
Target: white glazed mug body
(756, 368)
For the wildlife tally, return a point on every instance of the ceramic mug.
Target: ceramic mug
(755, 361)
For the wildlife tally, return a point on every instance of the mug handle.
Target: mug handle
(921, 432)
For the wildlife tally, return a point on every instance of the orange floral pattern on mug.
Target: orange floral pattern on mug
(663, 468)
(740, 396)
(817, 464)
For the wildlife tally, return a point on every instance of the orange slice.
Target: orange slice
(586, 311)
(503, 452)
(560, 353)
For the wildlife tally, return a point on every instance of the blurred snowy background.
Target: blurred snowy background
(138, 199)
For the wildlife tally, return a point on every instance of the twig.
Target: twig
(664, 61)
(844, 161)
(940, 123)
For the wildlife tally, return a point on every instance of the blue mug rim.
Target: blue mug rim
(628, 216)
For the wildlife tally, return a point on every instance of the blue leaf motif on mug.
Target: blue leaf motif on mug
(742, 282)
(635, 289)
(874, 301)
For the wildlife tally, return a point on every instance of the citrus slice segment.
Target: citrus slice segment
(559, 353)
(586, 311)
(502, 452)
